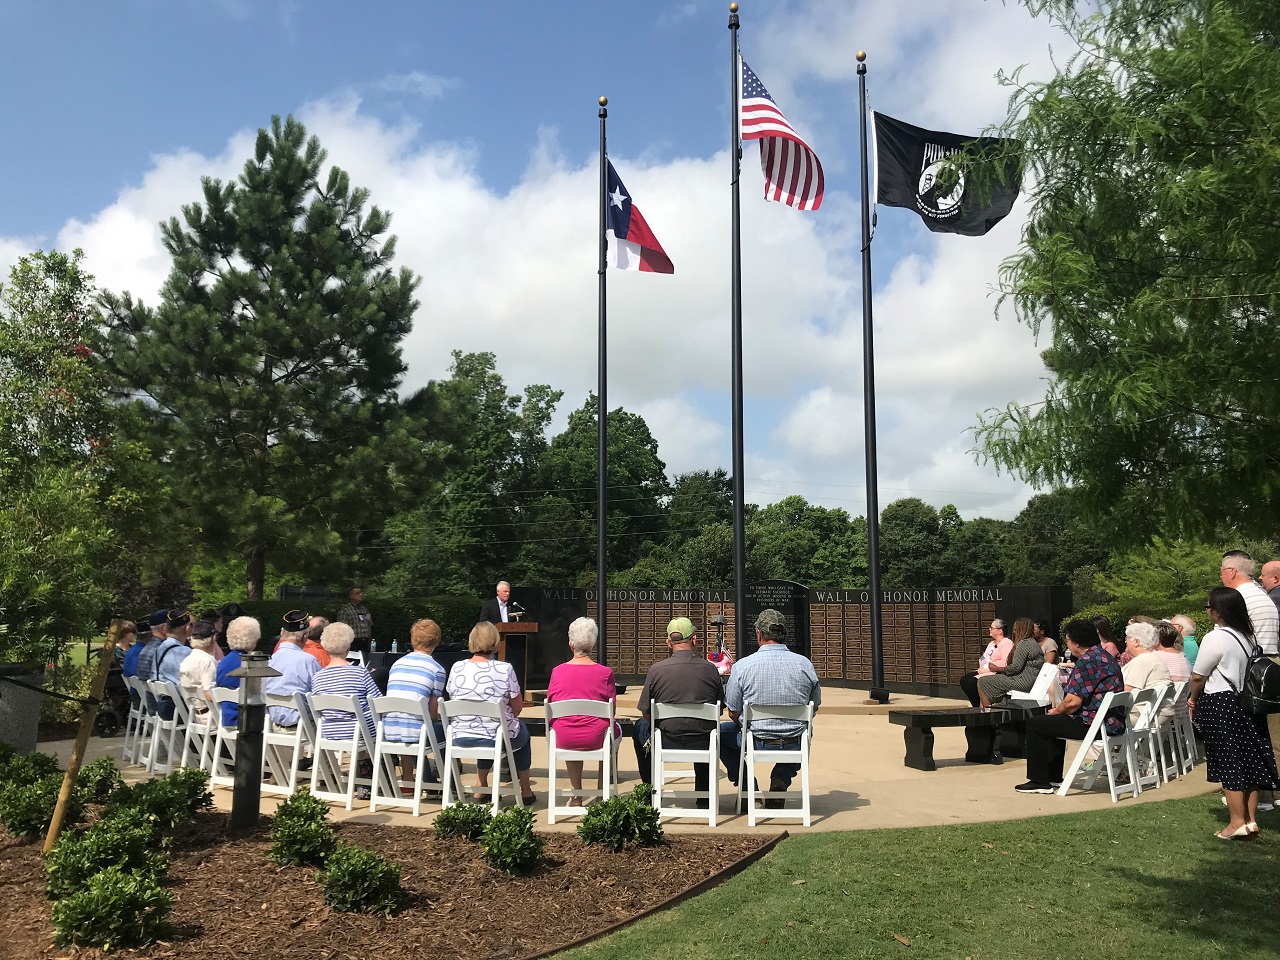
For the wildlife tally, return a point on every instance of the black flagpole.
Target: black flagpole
(878, 691)
(602, 416)
(735, 310)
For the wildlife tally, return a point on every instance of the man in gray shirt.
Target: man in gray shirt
(685, 676)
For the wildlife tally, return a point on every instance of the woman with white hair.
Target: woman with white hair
(581, 678)
(243, 634)
(199, 671)
(1144, 668)
(343, 678)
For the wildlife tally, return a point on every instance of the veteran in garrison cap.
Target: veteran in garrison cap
(170, 652)
(685, 676)
(296, 667)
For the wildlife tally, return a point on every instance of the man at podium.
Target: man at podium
(500, 608)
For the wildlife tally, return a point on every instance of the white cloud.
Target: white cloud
(515, 272)
(416, 82)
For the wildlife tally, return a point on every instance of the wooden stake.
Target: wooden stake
(88, 714)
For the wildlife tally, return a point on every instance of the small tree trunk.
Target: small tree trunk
(255, 573)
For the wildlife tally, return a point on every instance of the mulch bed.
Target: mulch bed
(230, 901)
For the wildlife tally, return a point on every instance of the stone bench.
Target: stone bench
(982, 731)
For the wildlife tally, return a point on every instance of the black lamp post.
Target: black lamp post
(246, 791)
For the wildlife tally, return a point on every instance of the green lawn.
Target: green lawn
(1141, 880)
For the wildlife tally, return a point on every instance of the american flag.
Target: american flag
(792, 172)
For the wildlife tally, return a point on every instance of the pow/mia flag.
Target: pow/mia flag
(933, 174)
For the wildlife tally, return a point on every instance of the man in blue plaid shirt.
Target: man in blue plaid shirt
(773, 676)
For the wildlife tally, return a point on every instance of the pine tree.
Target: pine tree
(265, 379)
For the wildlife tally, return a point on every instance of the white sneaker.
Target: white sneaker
(1263, 807)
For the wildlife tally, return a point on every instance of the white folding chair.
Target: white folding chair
(1041, 691)
(1184, 732)
(664, 758)
(167, 734)
(222, 765)
(1115, 748)
(1141, 731)
(326, 781)
(606, 756)
(202, 729)
(136, 722)
(498, 753)
(423, 750)
(282, 752)
(751, 755)
(356, 657)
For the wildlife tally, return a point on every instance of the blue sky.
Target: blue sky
(475, 125)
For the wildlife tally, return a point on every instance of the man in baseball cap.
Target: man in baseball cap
(685, 676)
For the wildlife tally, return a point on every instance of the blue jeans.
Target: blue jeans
(644, 759)
(731, 754)
(520, 746)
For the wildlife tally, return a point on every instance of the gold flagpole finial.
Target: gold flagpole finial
(861, 55)
(604, 101)
(733, 8)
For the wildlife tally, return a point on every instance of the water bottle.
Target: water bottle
(395, 646)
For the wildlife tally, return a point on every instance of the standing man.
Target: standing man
(774, 677)
(1237, 572)
(685, 676)
(357, 616)
(499, 607)
(1270, 579)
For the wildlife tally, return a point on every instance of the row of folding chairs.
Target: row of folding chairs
(672, 765)
(1148, 754)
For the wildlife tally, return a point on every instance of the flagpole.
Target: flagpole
(878, 691)
(602, 415)
(735, 311)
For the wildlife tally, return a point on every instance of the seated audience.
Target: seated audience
(1095, 675)
(416, 675)
(1107, 636)
(296, 670)
(133, 642)
(581, 678)
(199, 671)
(1046, 641)
(243, 634)
(1020, 672)
(996, 654)
(484, 678)
(342, 678)
(1144, 668)
(1169, 650)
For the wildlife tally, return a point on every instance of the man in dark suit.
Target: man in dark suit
(499, 609)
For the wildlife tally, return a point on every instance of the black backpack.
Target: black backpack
(1259, 694)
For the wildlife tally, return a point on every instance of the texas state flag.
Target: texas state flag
(632, 245)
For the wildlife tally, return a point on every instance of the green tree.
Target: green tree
(976, 554)
(266, 378)
(58, 464)
(1149, 254)
(637, 486)
(795, 540)
(1053, 537)
(487, 443)
(912, 541)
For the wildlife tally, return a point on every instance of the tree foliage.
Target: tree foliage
(1149, 256)
(265, 379)
(58, 465)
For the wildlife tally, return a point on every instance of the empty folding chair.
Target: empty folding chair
(1141, 733)
(500, 753)
(424, 751)
(1115, 750)
(1184, 732)
(752, 755)
(676, 762)
(606, 756)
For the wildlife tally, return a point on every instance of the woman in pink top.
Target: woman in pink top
(995, 655)
(581, 679)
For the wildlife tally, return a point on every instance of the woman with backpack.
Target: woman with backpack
(1237, 745)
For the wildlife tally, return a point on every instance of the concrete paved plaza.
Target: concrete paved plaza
(858, 780)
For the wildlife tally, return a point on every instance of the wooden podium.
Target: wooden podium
(513, 647)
